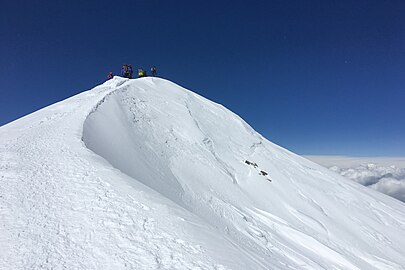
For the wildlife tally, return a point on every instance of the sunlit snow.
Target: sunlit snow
(144, 174)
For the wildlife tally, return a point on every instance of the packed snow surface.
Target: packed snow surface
(144, 174)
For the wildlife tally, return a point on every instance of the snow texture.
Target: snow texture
(386, 175)
(144, 174)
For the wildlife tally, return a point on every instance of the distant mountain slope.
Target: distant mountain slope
(144, 174)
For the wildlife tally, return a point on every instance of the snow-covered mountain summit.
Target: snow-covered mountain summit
(143, 174)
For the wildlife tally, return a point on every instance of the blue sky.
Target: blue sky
(316, 77)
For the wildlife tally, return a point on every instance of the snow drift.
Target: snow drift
(144, 174)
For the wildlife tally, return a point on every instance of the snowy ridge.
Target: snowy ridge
(143, 174)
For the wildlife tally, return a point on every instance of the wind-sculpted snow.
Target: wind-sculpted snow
(194, 152)
(63, 207)
(143, 174)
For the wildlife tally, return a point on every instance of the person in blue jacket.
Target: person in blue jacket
(127, 71)
(124, 71)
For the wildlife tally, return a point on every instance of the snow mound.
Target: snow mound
(144, 174)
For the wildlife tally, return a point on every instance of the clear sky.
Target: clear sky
(316, 77)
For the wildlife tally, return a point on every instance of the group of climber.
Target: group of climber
(142, 73)
(127, 72)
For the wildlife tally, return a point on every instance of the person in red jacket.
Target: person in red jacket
(110, 75)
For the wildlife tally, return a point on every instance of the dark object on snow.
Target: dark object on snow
(251, 163)
(263, 173)
(153, 71)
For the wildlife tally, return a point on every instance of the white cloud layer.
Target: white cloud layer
(389, 180)
(374, 173)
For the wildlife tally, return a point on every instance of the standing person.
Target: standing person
(126, 71)
(110, 75)
(123, 71)
(140, 73)
(130, 71)
(153, 71)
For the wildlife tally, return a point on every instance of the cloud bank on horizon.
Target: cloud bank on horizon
(386, 175)
(389, 180)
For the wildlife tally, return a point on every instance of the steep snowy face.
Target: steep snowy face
(62, 206)
(280, 210)
(144, 174)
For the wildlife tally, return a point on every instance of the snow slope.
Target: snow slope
(143, 174)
